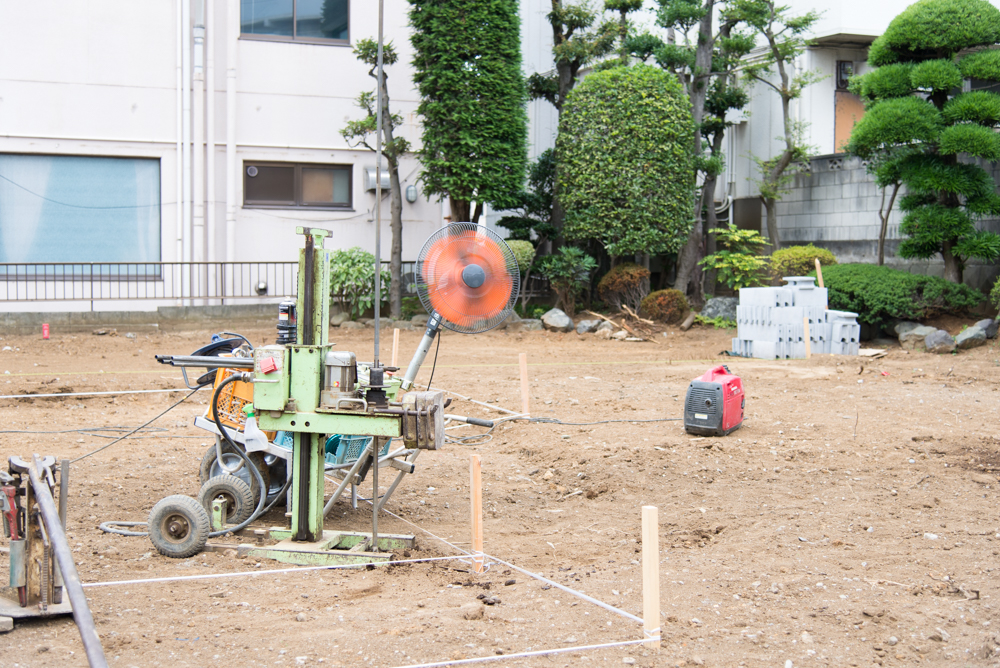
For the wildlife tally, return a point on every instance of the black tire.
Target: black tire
(277, 469)
(210, 468)
(239, 499)
(178, 526)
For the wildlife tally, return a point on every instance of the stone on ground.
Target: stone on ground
(338, 319)
(605, 333)
(6, 624)
(557, 321)
(587, 326)
(350, 324)
(508, 321)
(620, 335)
(721, 306)
(903, 327)
(402, 324)
(605, 326)
(940, 342)
(420, 319)
(384, 323)
(989, 326)
(971, 337)
(913, 339)
(526, 325)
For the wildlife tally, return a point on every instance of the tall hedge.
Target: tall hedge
(919, 123)
(626, 177)
(467, 69)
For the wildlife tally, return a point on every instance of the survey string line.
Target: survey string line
(523, 655)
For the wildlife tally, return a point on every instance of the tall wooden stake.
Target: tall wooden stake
(523, 359)
(805, 328)
(651, 575)
(395, 346)
(819, 274)
(476, 492)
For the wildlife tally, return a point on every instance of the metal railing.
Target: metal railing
(171, 281)
(152, 281)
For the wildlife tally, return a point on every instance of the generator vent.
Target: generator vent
(702, 401)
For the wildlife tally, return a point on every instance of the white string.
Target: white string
(521, 655)
(89, 394)
(212, 576)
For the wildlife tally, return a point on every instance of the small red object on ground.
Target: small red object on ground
(45, 330)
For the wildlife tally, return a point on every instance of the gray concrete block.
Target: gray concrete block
(6, 624)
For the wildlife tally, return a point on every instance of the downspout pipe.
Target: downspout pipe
(198, 174)
(179, 193)
(232, 35)
(211, 255)
(186, 138)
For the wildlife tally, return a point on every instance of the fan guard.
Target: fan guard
(469, 276)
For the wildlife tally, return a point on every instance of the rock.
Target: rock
(721, 306)
(350, 324)
(6, 624)
(605, 333)
(338, 319)
(587, 326)
(471, 611)
(939, 342)
(984, 478)
(508, 321)
(385, 323)
(989, 326)
(913, 338)
(892, 641)
(405, 325)
(971, 337)
(904, 327)
(557, 321)
(605, 326)
(628, 661)
(526, 325)
(420, 319)
(688, 321)
(620, 335)
(301, 617)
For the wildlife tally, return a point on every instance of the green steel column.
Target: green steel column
(313, 445)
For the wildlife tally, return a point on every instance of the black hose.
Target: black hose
(239, 451)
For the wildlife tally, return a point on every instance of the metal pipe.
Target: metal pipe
(433, 323)
(378, 195)
(347, 480)
(206, 362)
(210, 255)
(71, 579)
(308, 276)
(63, 490)
(375, 506)
(198, 174)
(231, 35)
(186, 153)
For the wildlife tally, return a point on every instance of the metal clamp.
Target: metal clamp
(351, 400)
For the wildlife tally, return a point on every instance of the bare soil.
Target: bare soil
(851, 521)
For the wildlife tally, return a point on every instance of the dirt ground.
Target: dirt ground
(852, 521)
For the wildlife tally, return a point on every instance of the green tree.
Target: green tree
(704, 59)
(467, 69)
(576, 43)
(363, 133)
(918, 122)
(569, 273)
(784, 41)
(626, 176)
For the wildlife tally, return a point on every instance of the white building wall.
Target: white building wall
(99, 79)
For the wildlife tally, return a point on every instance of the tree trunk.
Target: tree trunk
(770, 208)
(952, 265)
(884, 218)
(396, 211)
(688, 258)
(711, 222)
(460, 210)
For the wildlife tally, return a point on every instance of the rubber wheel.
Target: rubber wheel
(239, 499)
(210, 468)
(178, 526)
(277, 469)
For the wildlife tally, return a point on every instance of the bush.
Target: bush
(799, 260)
(718, 322)
(667, 306)
(523, 252)
(352, 280)
(739, 265)
(626, 283)
(880, 294)
(411, 306)
(995, 295)
(569, 272)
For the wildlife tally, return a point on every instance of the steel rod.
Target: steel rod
(71, 579)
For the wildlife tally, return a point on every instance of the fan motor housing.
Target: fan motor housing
(714, 403)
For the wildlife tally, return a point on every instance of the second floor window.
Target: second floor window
(288, 185)
(299, 20)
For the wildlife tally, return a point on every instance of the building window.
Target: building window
(67, 208)
(283, 185)
(298, 20)
(845, 70)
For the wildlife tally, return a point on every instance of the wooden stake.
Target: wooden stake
(523, 360)
(819, 274)
(395, 346)
(476, 492)
(651, 575)
(805, 327)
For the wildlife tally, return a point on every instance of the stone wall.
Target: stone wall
(835, 205)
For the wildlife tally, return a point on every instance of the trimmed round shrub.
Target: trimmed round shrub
(981, 65)
(935, 75)
(978, 106)
(936, 29)
(667, 306)
(626, 283)
(524, 253)
(798, 260)
(884, 82)
(880, 294)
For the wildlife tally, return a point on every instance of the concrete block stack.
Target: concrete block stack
(770, 322)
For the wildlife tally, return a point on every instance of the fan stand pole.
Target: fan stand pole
(433, 324)
(378, 270)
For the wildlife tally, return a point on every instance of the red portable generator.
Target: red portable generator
(714, 403)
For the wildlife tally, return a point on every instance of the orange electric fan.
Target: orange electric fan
(468, 280)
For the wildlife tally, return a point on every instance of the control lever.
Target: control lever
(469, 420)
